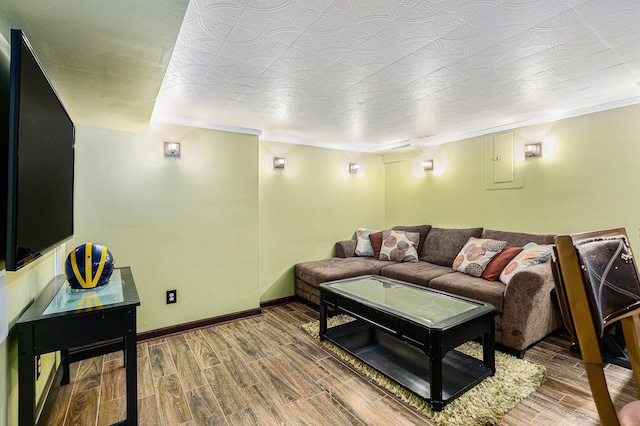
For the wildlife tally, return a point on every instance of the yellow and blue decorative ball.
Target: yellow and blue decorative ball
(89, 265)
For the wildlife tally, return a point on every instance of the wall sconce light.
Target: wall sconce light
(533, 150)
(171, 149)
(427, 165)
(278, 163)
(354, 167)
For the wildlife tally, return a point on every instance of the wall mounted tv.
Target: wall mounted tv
(41, 159)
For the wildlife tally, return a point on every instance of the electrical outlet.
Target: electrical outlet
(38, 367)
(172, 296)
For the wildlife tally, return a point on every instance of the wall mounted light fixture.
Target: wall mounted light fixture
(533, 150)
(172, 149)
(354, 167)
(278, 162)
(427, 165)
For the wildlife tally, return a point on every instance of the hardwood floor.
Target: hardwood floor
(265, 370)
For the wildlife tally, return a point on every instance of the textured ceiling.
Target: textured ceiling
(367, 74)
(105, 59)
(355, 74)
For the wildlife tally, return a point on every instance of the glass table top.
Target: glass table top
(70, 299)
(421, 304)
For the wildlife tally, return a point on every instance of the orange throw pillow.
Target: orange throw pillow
(376, 243)
(498, 263)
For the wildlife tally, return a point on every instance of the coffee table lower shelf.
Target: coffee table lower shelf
(407, 364)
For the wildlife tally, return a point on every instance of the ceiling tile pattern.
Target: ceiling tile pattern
(105, 59)
(363, 74)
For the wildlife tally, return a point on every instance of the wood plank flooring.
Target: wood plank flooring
(265, 370)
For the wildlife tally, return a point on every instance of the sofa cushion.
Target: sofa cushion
(531, 254)
(518, 239)
(420, 273)
(422, 229)
(319, 271)
(399, 246)
(476, 254)
(467, 286)
(346, 248)
(363, 244)
(499, 262)
(442, 245)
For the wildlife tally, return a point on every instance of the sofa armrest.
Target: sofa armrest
(529, 312)
(346, 248)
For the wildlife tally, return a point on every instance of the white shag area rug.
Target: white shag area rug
(484, 404)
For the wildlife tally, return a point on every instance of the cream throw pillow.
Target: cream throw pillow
(476, 255)
(531, 254)
(363, 246)
(399, 246)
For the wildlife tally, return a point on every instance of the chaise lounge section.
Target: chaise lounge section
(527, 309)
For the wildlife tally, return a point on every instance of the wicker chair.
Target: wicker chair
(598, 276)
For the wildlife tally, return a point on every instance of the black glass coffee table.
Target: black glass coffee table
(410, 333)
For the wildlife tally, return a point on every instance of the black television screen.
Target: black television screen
(5, 60)
(41, 161)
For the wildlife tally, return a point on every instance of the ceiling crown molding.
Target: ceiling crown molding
(206, 125)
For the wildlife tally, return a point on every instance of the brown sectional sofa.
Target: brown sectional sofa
(527, 310)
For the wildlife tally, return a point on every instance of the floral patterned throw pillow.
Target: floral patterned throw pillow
(399, 246)
(476, 255)
(364, 247)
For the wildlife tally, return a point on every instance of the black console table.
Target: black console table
(80, 324)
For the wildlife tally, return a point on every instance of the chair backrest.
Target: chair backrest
(562, 297)
(598, 276)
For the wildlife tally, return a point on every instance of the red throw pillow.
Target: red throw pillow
(498, 263)
(376, 243)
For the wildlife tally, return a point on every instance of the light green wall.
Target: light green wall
(22, 289)
(188, 223)
(224, 229)
(311, 204)
(590, 183)
(218, 224)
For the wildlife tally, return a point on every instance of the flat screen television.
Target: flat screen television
(40, 161)
(5, 61)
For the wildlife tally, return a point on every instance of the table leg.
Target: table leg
(488, 349)
(323, 319)
(435, 367)
(26, 377)
(66, 372)
(130, 363)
